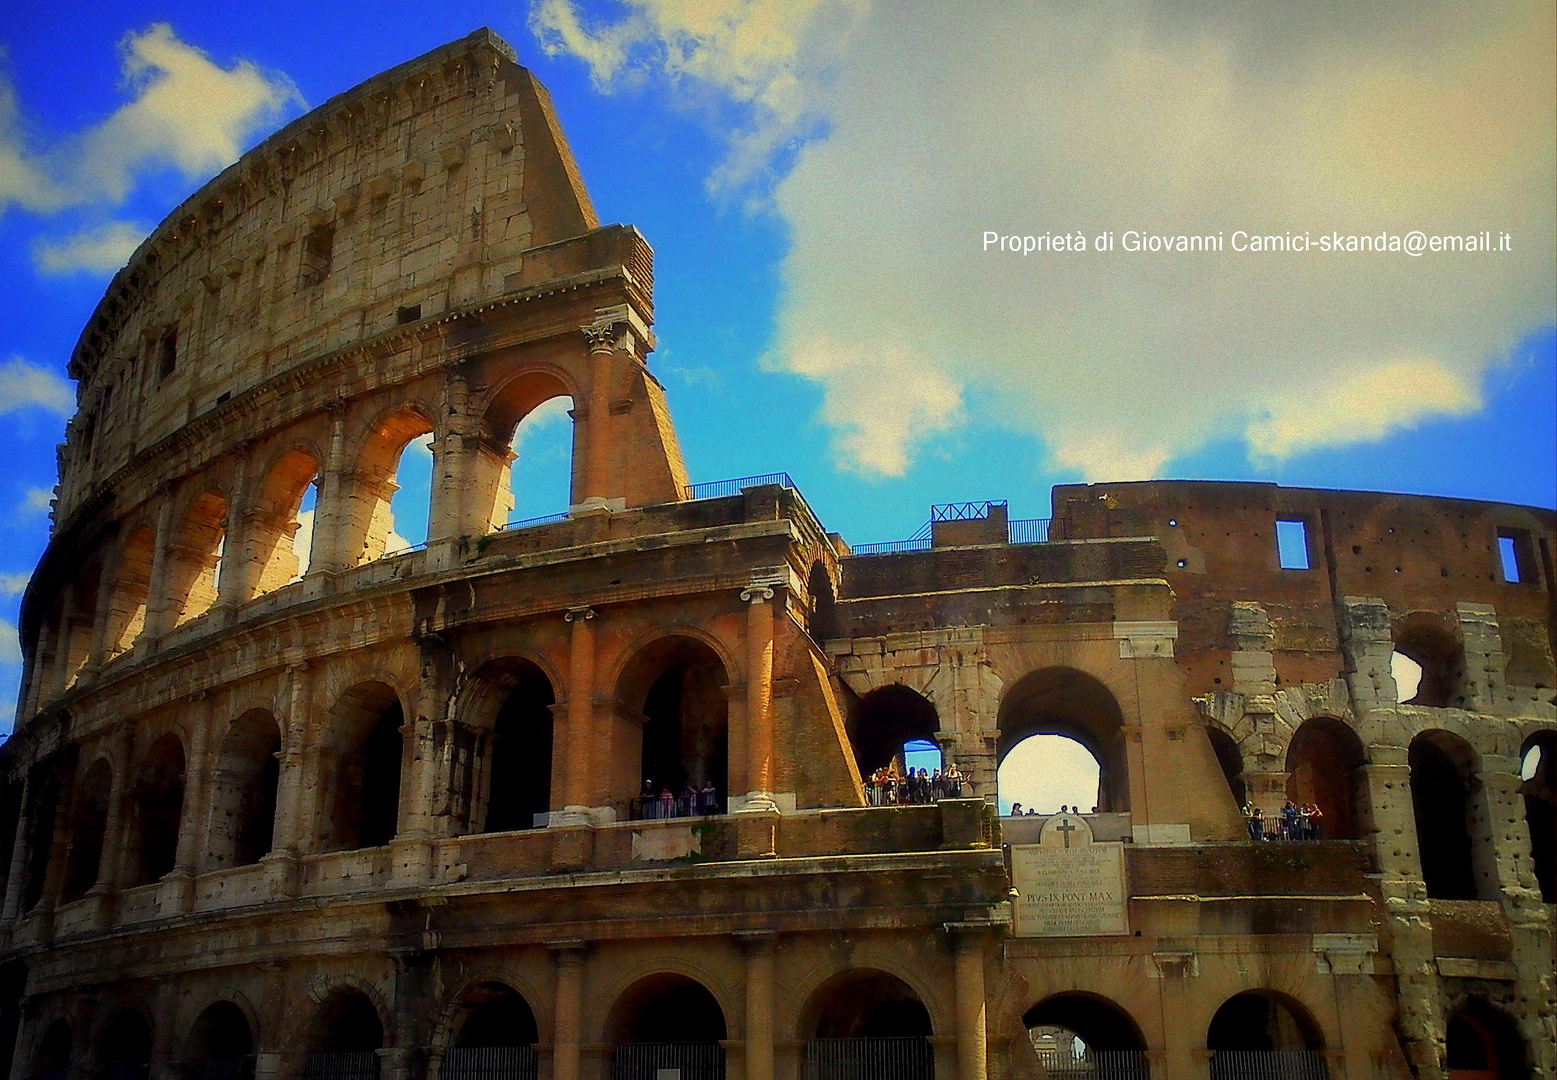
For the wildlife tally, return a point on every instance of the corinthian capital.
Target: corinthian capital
(600, 336)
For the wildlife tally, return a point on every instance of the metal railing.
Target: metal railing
(525, 523)
(224, 1068)
(1028, 531)
(869, 1059)
(349, 1065)
(1020, 531)
(715, 489)
(651, 808)
(1095, 1065)
(892, 547)
(1268, 1065)
(668, 1061)
(963, 511)
(491, 1063)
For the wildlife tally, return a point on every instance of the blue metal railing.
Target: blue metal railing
(1020, 531)
(525, 523)
(715, 489)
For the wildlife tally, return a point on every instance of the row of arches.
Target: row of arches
(238, 536)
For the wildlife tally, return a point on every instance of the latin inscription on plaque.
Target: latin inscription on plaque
(1069, 885)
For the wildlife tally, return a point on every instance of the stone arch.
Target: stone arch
(671, 722)
(368, 519)
(1443, 778)
(513, 399)
(866, 1017)
(1481, 1042)
(363, 757)
(490, 1013)
(1538, 757)
(1259, 1033)
(243, 791)
(1076, 1031)
(132, 584)
(344, 1036)
(156, 811)
(274, 522)
(195, 556)
(88, 830)
(220, 1044)
(886, 719)
(666, 1021)
(509, 702)
(822, 615)
(75, 620)
(1071, 703)
(124, 1047)
(1230, 758)
(1428, 640)
(52, 1059)
(1325, 760)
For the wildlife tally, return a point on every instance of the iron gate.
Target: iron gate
(491, 1063)
(869, 1059)
(350, 1065)
(1268, 1065)
(1095, 1065)
(668, 1061)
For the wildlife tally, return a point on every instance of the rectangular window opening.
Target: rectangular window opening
(1515, 556)
(408, 314)
(167, 355)
(1292, 544)
(318, 252)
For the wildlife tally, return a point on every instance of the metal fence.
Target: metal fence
(869, 1059)
(891, 547)
(491, 1063)
(352, 1065)
(668, 1061)
(718, 488)
(1095, 1065)
(223, 1068)
(1268, 1065)
(525, 523)
(1028, 531)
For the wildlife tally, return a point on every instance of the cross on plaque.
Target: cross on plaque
(1065, 828)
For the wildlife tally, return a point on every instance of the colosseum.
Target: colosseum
(620, 794)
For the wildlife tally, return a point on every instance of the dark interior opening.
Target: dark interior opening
(1440, 799)
(522, 748)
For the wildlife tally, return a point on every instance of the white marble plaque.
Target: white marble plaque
(1069, 885)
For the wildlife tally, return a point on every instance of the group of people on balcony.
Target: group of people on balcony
(1295, 822)
(885, 788)
(659, 801)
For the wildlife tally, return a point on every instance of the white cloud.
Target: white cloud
(185, 110)
(14, 584)
(10, 643)
(25, 385)
(548, 414)
(943, 122)
(36, 501)
(101, 250)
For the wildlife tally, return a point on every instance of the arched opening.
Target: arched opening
(76, 623)
(89, 822)
(1074, 705)
(364, 754)
(1538, 776)
(344, 1039)
(866, 1023)
(513, 701)
(494, 1037)
(243, 795)
(1483, 1043)
(1083, 1035)
(1443, 775)
(127, 601)
(1427, 642)
(1324, 771)
(195, 558)
(1230, 758)
(52, 1060)
(278, 545)
(1042, 773)
(394, 478)
(677, 686)
(124, 1052)
(221, 1045)
(44, 785)
(884, 722)
(156, 810)
(1261, 1034)
(823, 621)
(526, 460)
(666, 1022)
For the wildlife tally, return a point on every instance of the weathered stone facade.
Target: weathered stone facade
(377, 813)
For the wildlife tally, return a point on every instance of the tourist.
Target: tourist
(954, 780)
(1016, 809)
(709, 797)
(1316, 821)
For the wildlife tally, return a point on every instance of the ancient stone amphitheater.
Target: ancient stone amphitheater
(381, 814)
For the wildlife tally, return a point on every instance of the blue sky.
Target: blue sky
(815, 177)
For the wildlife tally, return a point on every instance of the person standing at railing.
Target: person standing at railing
(954, 780)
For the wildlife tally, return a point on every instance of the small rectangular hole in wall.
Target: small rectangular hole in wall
(1292, 544)
(409, 313)
(1515, 556)
(167, 353)
(318, 253)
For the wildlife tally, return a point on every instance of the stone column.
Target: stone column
(602, 349)
(179, 896)
(972, 1052)
(18, 863)
(159, 620)
(59, 672)
(759, 697)
(285, 843)
(759, 1004)
(329, 508)
(569, 1009)
(581, 707)
(238, 575)
(110, 868)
